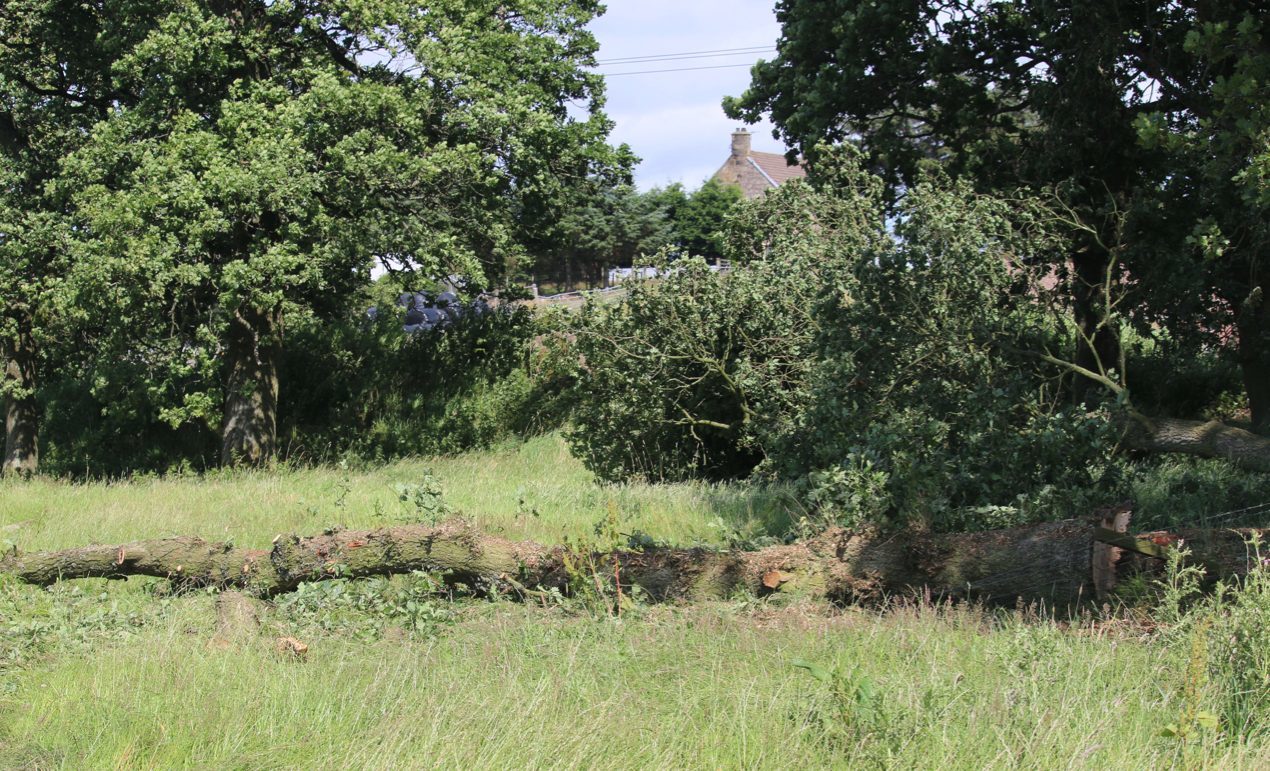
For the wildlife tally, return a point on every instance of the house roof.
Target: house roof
(776, 168)
(754, 172)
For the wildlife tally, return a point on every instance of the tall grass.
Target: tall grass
(97, 674)
(533, 489)
(515, 687)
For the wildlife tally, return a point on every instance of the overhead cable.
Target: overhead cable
(685, 55)
(680, 69)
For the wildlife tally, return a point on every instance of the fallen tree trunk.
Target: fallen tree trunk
(1205, 440)
(1222, 554)
(1059, 562)
(1211, 439)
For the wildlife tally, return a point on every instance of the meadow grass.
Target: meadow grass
(533, 489)
(97, 674)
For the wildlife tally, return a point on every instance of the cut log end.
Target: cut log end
(1105, 556)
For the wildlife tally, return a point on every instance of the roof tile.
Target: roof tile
(777, 168)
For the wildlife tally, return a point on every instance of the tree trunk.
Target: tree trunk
(1098, 348)
(1205, 440)
(1254, 357)
(250, 426)
(22, 414)
(1222, 553)
(1061, 563)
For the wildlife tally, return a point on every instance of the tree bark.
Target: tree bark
(1057, 562)
(22, 414)
(250, 425)
(1205, 440)
(1254, 357)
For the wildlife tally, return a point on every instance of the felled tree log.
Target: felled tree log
(1205, 440)
(1060, 562)
(292, 560)
(1222, 553)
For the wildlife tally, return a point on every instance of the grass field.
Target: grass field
(120, 674)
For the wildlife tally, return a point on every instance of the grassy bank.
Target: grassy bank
(120, 674)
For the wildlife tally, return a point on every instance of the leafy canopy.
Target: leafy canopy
(258, 157)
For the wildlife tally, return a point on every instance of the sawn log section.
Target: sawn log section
(1060, 562)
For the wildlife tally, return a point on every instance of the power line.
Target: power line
(685, 55)
(660, 59)
(680, 69)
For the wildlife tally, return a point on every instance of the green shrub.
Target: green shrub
(891, 371)
(696, 373)
(106, 417)
(351, 387)
(657, 395)
(367, 389)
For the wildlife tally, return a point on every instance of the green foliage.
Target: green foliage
(1063, 97)
(1011, 94)
(423, 501)
(594, 577)
(698, 372)
(104, 418)
(854, 710)
(701, 223)
(657, 397)
(67, 619)
(612, 227)
(928, 403)
(618, 226)
(352, 388)
(1174, 379)
(366, 389)
(895, 374)
(1180, 588)
(237, 167)
(368, 608)
(1194, 724)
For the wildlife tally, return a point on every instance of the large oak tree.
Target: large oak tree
(55, 85)
(255, 158)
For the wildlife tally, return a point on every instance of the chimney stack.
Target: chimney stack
(740, 143)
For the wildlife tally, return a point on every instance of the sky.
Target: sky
(673, 120)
